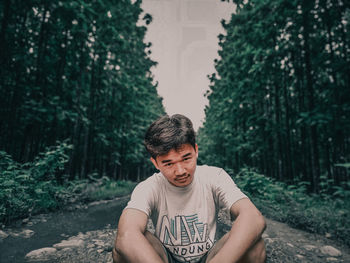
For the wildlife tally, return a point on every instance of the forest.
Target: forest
(279, 100)
(77, 72)
(77, 94)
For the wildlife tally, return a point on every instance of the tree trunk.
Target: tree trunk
(4, 24)
(288, 151)
(311, 103)
(279, 151)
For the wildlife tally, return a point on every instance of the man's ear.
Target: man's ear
(196, 150)
(154, 162)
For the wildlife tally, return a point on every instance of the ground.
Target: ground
(283, 243)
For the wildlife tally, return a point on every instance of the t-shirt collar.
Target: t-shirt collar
(178, 189)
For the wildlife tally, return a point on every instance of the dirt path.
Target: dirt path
(293, 245)
(283, 243)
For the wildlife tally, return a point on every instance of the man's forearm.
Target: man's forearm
(244, 233)
(136, 248)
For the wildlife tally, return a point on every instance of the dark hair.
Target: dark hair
(167, 133)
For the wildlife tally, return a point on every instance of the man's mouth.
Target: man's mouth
(182, 179)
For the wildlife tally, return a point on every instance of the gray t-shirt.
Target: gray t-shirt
(185, 217)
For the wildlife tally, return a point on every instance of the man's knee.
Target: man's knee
(157, 245)
(256, 254)
(260, 251)
(117, 252)
(152, 239)
(117, 258)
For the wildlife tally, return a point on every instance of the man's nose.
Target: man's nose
(179, 169)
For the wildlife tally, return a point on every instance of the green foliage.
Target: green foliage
(105, 188)
(345, 165)
(326, 214)
(52, 161)
(31, 187)
(77, 70)
(280, 97)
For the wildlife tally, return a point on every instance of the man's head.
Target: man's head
(169, 133)
(172, 145)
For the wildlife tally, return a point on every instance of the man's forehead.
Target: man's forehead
(183, 149)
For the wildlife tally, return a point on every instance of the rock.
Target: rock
(80, 235)
(69, 243)
(100, 250)
(309, 247)
(265, 235)
(26, 233)
(289, 244)
(67, 250)
(42, 253)
(92, 250)
(331, 259)
(3, 235)
(99, 243)
(109, 248)
(299, 256)
(269, 240)
(99, 202)
(330, 251)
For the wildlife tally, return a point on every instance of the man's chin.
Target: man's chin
(183, 181)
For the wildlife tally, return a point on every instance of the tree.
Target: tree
(77, 70)
(280, 99)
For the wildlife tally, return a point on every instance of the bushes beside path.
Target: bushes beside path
(40, 186)
(327, 213)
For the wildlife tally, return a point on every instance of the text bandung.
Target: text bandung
(192, 249)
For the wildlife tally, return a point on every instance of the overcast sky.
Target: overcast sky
(184, 43)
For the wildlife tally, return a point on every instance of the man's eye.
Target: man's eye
(186, 159)
(168, 164)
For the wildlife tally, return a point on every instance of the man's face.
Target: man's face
(178, 166)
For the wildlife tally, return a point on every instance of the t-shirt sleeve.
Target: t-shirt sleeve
(142, 198)
(226, 191)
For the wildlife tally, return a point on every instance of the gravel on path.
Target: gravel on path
(283, 244)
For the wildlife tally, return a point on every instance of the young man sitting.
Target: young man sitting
(183, 201)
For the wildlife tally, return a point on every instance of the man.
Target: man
(183, 201)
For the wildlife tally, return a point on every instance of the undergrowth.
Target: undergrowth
(103, 188)
(41, 185)
(326, 213)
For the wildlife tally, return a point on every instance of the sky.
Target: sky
(184, 41)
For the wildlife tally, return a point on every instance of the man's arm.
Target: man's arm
(131, 242)
(245, 232)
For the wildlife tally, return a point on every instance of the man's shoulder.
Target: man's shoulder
(208, 174)
(151, 182)
(207, 170)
